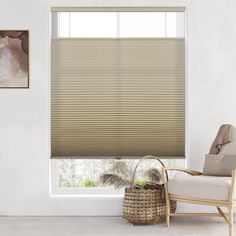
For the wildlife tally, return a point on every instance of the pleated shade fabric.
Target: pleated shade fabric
(118, 98)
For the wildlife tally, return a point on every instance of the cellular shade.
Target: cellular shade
(117, 98)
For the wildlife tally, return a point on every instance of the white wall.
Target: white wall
(24, 117)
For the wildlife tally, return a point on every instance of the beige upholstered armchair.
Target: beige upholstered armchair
(197, 188)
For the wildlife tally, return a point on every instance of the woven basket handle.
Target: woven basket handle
(136, 167)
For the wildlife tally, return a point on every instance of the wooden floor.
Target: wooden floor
(108, 226)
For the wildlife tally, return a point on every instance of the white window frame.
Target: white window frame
(54, 188)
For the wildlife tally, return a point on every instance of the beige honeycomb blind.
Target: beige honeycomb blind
(118, 98)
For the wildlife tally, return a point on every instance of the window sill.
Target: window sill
(119, 196)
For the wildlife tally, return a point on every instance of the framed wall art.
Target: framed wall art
(14, 59)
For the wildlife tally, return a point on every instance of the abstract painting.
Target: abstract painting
(14, 59)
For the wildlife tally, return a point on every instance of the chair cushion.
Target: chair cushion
(219, 165)
(203, 187)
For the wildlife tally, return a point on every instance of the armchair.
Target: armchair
(196, 188)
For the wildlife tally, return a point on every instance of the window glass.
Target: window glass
(63, 24)
(142, 24)
(93, 24)
(118, 24)
(171, 24)
(82, 173)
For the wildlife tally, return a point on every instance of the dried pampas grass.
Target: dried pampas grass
(120, 175)
(155, 176)
(115, 180)
(121, 168)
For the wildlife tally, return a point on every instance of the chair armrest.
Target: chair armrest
(188, 171)
(165, 179)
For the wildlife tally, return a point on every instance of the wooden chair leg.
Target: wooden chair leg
(167, 212)
(164, 174)
(231, 220)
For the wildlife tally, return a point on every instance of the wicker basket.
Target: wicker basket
(145, 206)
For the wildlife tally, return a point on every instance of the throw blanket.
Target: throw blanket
(222, 138)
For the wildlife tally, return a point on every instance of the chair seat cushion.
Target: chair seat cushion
(200, 187)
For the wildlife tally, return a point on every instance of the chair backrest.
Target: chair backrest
(230, 148)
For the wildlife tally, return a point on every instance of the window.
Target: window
(117, 91)
(118, 24)
(81, 176)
